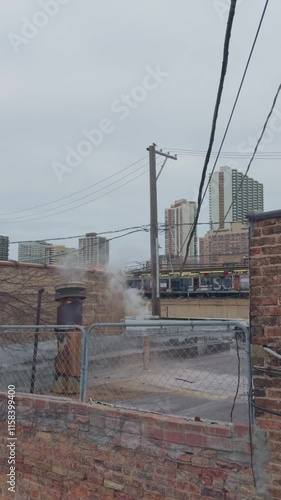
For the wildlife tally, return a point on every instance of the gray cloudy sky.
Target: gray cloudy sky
(67, 64)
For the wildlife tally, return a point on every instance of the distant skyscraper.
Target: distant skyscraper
(178, 221)
(34, 252)
(4, 247)
(93, 250)
(223, 189)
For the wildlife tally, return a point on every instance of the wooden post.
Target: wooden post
(146, 352)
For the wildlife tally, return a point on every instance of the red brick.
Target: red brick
(265, 222)
(215, 473)
(154, 432)
(174, 437)
(197, 440)
(275, 492)
(241, 430)
(219, 443)
(272, 331)
(255, 251)
(272, 229)
(220, 431)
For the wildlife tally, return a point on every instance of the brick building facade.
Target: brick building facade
(19, 285)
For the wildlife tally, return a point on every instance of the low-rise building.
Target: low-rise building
(60, 255)
(225, 245)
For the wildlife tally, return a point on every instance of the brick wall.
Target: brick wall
(67, 450)
(265, 318)
(19, 285)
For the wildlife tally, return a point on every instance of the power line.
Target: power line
(19, 219)
(230, 154)
(237, 96)
(250, 162)
(81, 235)
(145, 227)
(228, 123)
(49, 257)
(76, 192)
(255, 150)
(82, 204)
(214, 122)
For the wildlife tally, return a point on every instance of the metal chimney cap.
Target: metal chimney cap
(71, 290)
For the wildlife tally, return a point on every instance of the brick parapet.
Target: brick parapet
(265, 321)
(70, 450)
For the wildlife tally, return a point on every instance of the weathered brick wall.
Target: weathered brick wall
(19, 285)
(67, 450)
(265, 318)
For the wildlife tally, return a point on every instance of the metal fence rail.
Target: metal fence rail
(188, 368)
(30, 361)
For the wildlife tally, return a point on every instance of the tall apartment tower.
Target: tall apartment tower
(93, 250)
(4, 247)
(34, 252)
(223, 190)
(178, 221)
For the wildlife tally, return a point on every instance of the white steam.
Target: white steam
(134, 304)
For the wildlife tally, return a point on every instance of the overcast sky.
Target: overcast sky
(66, 67)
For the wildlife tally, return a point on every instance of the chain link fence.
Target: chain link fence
(42, 360)
(190, 369)
(187, 368)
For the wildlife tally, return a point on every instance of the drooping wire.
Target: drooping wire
(237, 97)
(255, 150)
(214, 121)
(77, 206)
(229, 122)
(23, 218)
(75, 192)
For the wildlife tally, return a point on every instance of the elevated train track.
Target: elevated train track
(227, 280)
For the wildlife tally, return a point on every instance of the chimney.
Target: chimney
(70, 297)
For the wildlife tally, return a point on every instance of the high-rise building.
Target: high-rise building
(178, 221)
(225, 245)
(4, 247)
(60, 255)
(34, 252)
(223, 191)
(93, 250)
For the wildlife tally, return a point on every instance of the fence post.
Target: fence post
(146, 352)
(84, 366)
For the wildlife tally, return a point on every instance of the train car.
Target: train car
(135, 283)
(181, 286)
(163, 286)
(215, 282)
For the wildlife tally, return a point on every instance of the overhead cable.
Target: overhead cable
(214, 121)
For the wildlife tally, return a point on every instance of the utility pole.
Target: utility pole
(154, 249)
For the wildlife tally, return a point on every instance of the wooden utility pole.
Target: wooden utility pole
(155, 286)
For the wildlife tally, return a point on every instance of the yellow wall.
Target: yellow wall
(223, 307)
